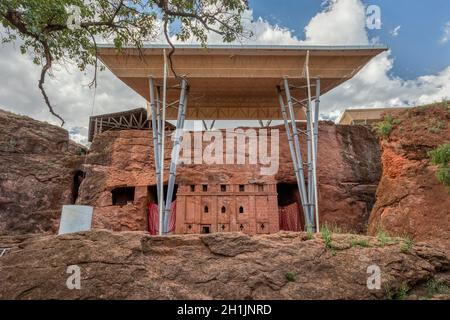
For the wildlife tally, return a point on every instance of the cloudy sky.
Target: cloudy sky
(415, 71)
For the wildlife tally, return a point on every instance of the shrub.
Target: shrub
(326, 234)
(402, 293)
(397, 294)
(441, 157)
(385, 127)
(290, 276)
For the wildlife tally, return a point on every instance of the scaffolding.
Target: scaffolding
(307, 190)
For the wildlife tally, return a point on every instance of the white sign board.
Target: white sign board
(75, 219)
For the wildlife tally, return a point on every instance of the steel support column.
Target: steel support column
(155, 130)
(310, 186)
(175, 151)
(294, 145)
(316, 139)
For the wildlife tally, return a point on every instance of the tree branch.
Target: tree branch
(45, 68)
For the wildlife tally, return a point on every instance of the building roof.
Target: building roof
(368, 114)
(236, 82)
(135, 119)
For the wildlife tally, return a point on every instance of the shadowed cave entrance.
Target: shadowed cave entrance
(152, 193)
(122, 196)
(78, 177)
(289, 207)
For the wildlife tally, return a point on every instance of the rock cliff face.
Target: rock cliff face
(38, 165)
(134, 265)
(349, 169)
(410, 200)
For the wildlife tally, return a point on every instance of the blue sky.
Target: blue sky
(415, 72)
(416, 49)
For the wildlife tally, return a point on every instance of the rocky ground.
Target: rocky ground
(134, 265)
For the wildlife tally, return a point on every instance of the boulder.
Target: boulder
(39, 167)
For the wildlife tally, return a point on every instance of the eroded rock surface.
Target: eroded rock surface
(134, 265)
(410, 200)
(38, 165)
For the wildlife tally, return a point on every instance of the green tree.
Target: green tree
(53, 31)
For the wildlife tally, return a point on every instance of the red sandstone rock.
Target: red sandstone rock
(37, 167)
(348, 173)
(134, 265)
(410, 200)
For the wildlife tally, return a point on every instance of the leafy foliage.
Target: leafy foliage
(385, 127)
(326, 235)
(290, 276)
(41, 26)
(441, 157)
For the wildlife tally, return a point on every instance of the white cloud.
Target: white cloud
(341, 22)
(396, 31)
(374, 87)
(67, 89)
(446, 35)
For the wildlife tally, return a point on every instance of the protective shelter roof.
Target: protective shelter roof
(237, 82)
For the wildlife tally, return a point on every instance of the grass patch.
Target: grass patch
(399, 294)
(436, 127)
(309, 234)
(436, 287)
(383, 237)
(406, 245)
(360, 243)
(326, 235)
(334, 228)
(441, 157)
(290, 276)
(402, 293)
